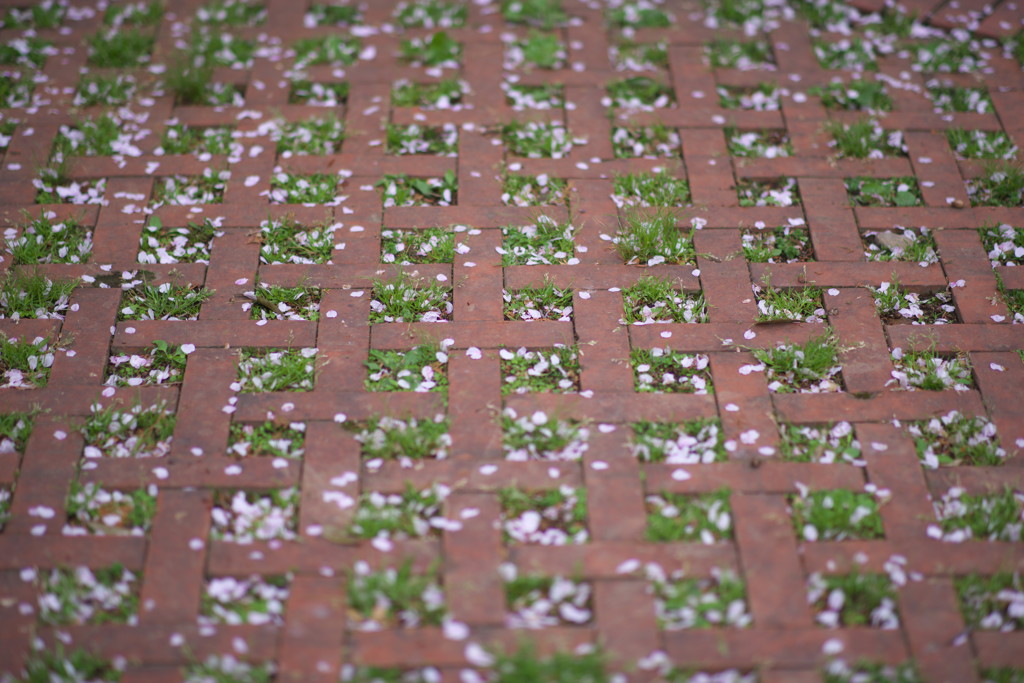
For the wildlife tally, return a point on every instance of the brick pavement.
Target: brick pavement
(252, 527)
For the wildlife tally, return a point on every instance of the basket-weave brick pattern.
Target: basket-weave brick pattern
(176, 556)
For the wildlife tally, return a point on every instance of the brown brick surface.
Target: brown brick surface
(317, 632)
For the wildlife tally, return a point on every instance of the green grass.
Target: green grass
(546, 242)
(329, 94)
(637, 15)
(536, 140)
(182, 139)
(648, 142)
(439, 50)
(902, 191)
(337, 50)
(541, 50)
(96, 89)
(724, 53)
(45, 666)
(25, 364)
(867, 600)
(951, 98)
(257, 600)
(956, 439)
(431, 14)
(700, 440)
(835, 515)
(319, 135)
(774, 192)
(334, 15)
(161, 363)
(1004, 244)
(249, 515)
(854, 54)
(40, 15)
(763, 144)
(162, 302)
(546, 96)
(100, 511)
(15, 90)
(651, 189)
(563, 509)
(791, 303)
(981, 144)
(262, 370)
(88, 137)
(273, 302)
(267, 440)
(666, 371)
(1004, 674)
(134, 13)
(408, 94)
(416, 139)
(535, 600)
(219, 48)
(543, 13)
(404, 300)
(107, 595)
(33, 295)
(28, 51)
(810, 367)
(15, 428)
(227, 669)
(398, 515)
(818, 443)
(654, 299)
(1001, 184)
(391, 438)
(421, 368)
(629, 53)
(906, 244)
(542, 437)
(838, 671)
(931, 371)
(761, 97)
(675, 517)
(855, 95)
(640, 91)
(44, 240)
(285, 240)
(524, 665)
(896, 304)
(232, 13)
(427, 245)
(682, 603)
(783, 244)
(991, 517)
(538, 303)
(530, 190)
(130, 432)
(191, 244)
(948, 55)
(986, 601)
(291, 188)
(180, 190)
(653, 238)
(120, 49)
(865, 138)
(555, 369)
(399, 189)
(395, 597)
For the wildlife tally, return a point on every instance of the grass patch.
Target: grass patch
(545, 14)
(725, 53)
(675, 517)
(262, 370)
(33, 295)
(852, 600)
(537, 140)
(399, 189)
(319, 135)
(546, 302)
(648, 142)
(835, 515)
(316, 94)
(653, 238)
(94, 510)
(441, 94)
(692, 603)
(823, 444)
(981, 144)
(1001, 184)
(992, 603)
(96, 89)
(107, 595)
(812, 367)
(335, 50)
(657, 300)
(421, 368)
(896, 304)
(540, 436)
(956, 439)
(902, 191)
(25, 364)
(416, 139)
(784, 244)
(439, 50)
(267, 440)
(191, 244)
(389, 438)
(930, 371)
(273, 302)
(285, 240)
(392, 598)
(182, 139)
(549, 370)
(855, 95)
(291, 188)
(161, 363)
(529, 190)
(162, 302)
(865, 139)
(431, 14)
(554, 517)
(685, 443)
(546, 242)
(398, 515)
(401, 301)
(131, 432)
(640, 92)
(986, 517)
(120, 48)
(427, 245)
(773, 192)
(650, 189)
(792, 303)
(666, 371)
